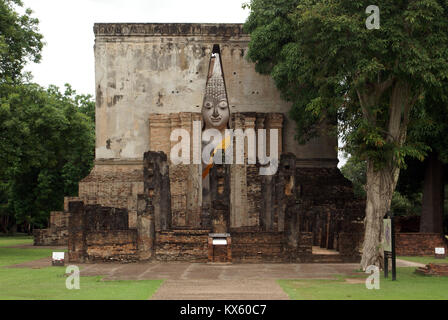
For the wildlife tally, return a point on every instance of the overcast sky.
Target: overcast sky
(67, 26)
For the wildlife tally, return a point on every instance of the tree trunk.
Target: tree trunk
(3, 224)
(433, 196)
(381, 183)
(380, 188)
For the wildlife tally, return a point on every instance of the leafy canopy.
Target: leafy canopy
(343, 77)
(47, 146)
(20, 40)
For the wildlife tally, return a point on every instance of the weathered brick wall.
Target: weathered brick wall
(314, 201)
(98, 233)
(349, 243)
(257, 246)
(112, 245)
(305, 245)
(56, 234)
(50, 237)
(99, 218)
(418, 244)
(182, 245)
(59, 219)
(114, 185)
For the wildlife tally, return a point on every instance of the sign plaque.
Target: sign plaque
(387, 235)
(58, 259)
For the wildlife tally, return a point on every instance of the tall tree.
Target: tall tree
(20, 40)
(46, 136)
(46, 148)
(339, 74)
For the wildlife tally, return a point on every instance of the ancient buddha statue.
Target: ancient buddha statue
(215, 109)
(216, 115)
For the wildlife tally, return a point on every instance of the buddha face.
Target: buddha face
(215, 113)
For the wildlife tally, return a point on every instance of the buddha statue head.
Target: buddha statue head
(215, 110)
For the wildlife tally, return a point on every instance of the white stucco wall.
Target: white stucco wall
(162, 68)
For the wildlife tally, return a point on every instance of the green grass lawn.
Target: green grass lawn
(6, 241)
(409, 286)
(49, 283)
(11, 256)
(424, 260)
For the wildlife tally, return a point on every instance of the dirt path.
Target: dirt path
(201, 281)
(220, 290)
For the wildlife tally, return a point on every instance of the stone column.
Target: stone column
(159, 133)
(193, 191)
(178, 180)
(77, 246)
(157, 187)
(238, 190)
(145, 228)
(250, 216)
(331, 230)
(323, 227)
(274, 121)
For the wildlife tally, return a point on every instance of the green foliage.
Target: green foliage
(335, 71)
(20, 40)
(46, 148)
(406, 202)
(355, 171)
(406, 205)
(46, 136)
(429, 123)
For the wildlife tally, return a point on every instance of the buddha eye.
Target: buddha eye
(208, 105)
(223, 104)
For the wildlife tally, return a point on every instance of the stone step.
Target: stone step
(328, 258)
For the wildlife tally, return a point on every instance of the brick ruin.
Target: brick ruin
(57, 232)
(434, 269)
(294, 215)
(136, 205)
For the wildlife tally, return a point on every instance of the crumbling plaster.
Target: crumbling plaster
(142, 70)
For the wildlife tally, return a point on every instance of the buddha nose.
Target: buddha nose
(215, 112)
